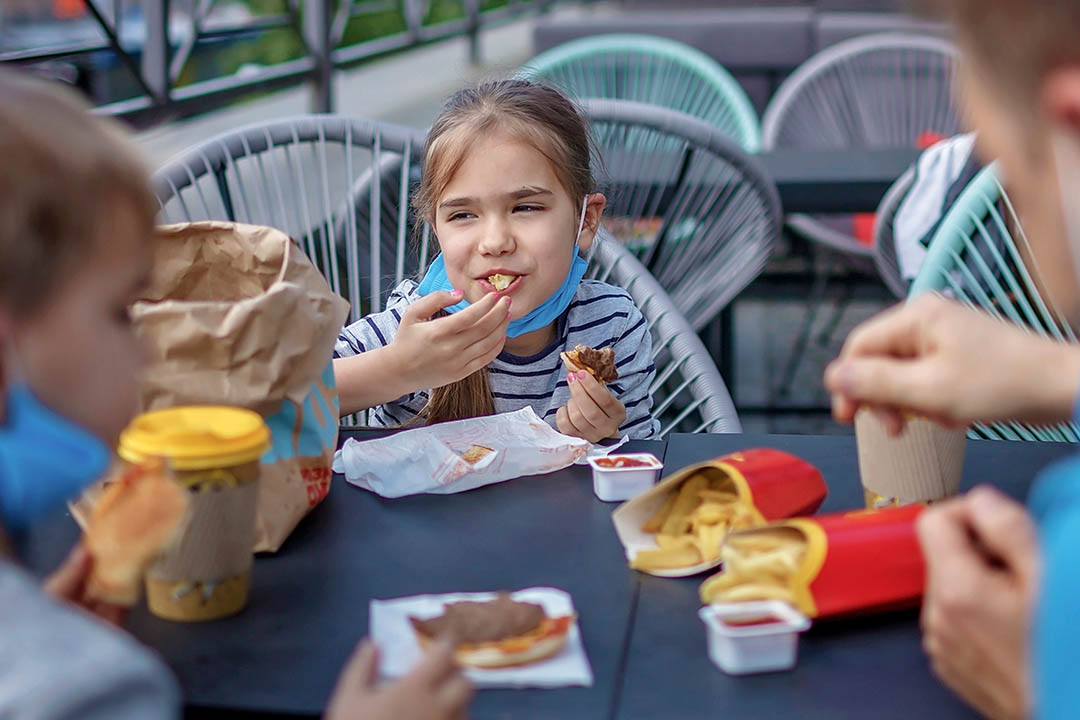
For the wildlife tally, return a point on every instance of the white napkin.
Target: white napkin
(400, 651)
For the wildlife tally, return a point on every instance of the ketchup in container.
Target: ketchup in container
(622, 461)
(751, 620)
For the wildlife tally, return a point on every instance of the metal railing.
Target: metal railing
(319, 24)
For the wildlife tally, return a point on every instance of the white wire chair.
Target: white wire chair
(884, 90)
(698, 211)
(980, 256)
(313, 177)
(884, 239)
(688, 393)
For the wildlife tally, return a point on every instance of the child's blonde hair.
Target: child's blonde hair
(535, 114)
(62, 171)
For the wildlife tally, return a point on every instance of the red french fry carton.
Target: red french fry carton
(855, 561)
(770, 484)
(776, 484)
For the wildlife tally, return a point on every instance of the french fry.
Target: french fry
(757, 542)
(666, 559)
(719, 496)
(678, 522)
(756, 591)
(712, 513)
(710, 538)
(656, 522)
(674, 542)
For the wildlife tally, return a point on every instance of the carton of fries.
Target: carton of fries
(678, 527)
(827, 565)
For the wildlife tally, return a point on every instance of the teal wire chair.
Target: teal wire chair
(654, 70)
(980, 256)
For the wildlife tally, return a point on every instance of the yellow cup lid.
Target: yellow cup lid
(196, 437)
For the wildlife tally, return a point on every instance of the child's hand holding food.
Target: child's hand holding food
(593, 412)
(430, 352)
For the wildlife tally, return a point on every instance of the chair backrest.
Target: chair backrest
(884, 239)
(313, 177)
(886, 90)
(699, 211)
(688, 393)
(654, 70)
(981, 257)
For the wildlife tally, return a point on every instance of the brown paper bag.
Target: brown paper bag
(237, 315)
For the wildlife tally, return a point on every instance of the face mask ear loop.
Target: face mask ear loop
(580, 227)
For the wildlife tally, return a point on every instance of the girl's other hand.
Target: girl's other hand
(593, 412)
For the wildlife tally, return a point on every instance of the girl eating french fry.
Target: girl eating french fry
(508, 192)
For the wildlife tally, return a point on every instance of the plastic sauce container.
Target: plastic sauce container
(753, 637)
(618, 477)
(214, 452)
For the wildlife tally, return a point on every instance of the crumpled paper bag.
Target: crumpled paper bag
(237, 315)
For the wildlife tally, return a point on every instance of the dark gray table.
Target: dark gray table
(835, 181)
(871, 667)
(281, 656)
(309, 603)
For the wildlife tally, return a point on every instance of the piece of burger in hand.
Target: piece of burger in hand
(496, 633)
(136, 519)
(598, 363)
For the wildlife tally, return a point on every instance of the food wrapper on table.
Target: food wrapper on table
(764, 484)
(829, 565)
(457, 456)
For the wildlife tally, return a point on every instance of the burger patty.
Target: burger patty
(480, 622)
(601, 362)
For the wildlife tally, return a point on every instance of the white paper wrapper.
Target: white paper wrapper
(429, 459)
(400, 652)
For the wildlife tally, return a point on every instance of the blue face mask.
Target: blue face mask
(435, 280)
(45, 459)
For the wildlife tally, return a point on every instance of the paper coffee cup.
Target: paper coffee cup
(924, 463)
(214, 453)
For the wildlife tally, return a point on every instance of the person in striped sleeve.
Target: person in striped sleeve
(509, 194)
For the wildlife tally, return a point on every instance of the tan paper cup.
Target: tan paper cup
(213, 452)
(924, 463)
